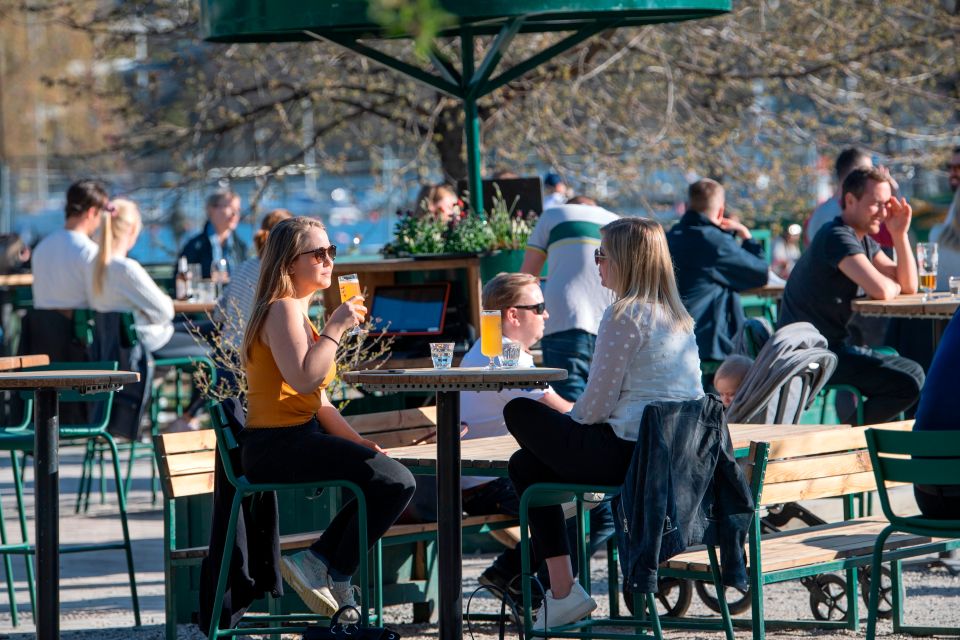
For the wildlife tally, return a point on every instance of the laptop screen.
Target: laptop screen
(410, 309)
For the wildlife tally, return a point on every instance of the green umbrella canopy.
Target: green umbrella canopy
(289, 20)
(347, 22)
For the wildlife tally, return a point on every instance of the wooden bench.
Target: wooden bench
(805, 467)
(186, 464)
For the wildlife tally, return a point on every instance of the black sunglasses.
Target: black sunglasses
(538, 308)
(598, 256)
(321, 253)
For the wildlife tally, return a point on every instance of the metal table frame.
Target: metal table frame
(449, 504)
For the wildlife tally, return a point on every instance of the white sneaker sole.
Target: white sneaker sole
(315, 601)
(586, 608)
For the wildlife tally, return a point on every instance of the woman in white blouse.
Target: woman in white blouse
(645, 351)
(120, 283)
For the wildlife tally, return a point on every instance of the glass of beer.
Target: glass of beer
(491, 337)
(349, 288)
(927, 262)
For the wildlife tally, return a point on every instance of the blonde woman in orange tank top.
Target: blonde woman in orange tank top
(293, 432)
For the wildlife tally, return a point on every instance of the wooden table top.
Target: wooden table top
(9, 363)
(766, 291)
(939, 306)
(454, 379)
(83, 380)
(16, 280)
(189, 306)
(490, 454)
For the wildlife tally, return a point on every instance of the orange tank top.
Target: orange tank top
(271, 402)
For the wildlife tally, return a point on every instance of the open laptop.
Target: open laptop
(410, 309)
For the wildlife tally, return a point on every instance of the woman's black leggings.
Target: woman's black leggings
(306, 453)
(555, 448)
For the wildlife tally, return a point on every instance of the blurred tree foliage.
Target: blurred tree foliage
(752, 97)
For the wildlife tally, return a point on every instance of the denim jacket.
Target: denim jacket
(683, 487)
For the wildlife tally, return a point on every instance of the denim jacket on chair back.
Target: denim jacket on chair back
(683, 487)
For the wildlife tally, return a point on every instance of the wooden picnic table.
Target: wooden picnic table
(774, 291)
(489, 456)
(9, 363)
(46, 418)
(939, 306)
(191, 306)
(448, 383)
(16, 280)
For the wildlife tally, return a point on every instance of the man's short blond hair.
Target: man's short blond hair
(705, 196)
(504, 290)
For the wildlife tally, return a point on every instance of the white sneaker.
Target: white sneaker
(346, 594)
(577, 605)
(308, 576)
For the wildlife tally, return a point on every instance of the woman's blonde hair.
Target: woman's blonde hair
(641, 269)
(119, 222)
(286, 241)
(269, 222)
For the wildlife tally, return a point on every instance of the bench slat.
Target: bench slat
(815, 545)
(192, 485)
(295, 541)
(810, 489)
(819, 467)
(831, 441)
(173, 443)
(185, 464)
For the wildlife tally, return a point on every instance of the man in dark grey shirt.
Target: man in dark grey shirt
(841, 261)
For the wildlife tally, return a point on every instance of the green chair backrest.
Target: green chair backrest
(106, 397)
(764, 237)
(83, 326)
(915, 457)
(129, 337)
(227, 443)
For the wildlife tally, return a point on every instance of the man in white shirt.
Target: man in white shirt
(565, 238)
(62, 259)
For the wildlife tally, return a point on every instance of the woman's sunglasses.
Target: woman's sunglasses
(598, 256)
(536, 308)
(320, 254)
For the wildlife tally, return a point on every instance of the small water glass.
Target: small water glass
(442, 354)
(954, 282)
(510, 357)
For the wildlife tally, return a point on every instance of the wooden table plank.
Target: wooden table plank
(187, 306)
(938, 306)
(9, 363)
(16, 280)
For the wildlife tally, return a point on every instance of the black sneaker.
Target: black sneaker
(499, 582)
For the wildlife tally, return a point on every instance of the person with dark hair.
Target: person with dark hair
(555, 191)
(234, 306)
(849, 159)
(217, 239)
(712, 268)
(63, 258)
(843, 259)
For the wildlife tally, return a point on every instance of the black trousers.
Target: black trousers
(938, 506)
(891, 383)
(555, 448)
(306, 453)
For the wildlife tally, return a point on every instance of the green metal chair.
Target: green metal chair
(21, 441)
(934, 460)
(544, 494)
(227, 445)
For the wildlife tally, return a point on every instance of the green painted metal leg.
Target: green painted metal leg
(214, 631)
(127, 548)
(103, 475)
(896, 579)
(853, 599)
(654, 617)
(8, 573)
(756, 584)
(875, 574)
(24, 535)
(613, 578)
(525, 575)
(86, 468)
(169, 571)
(378, 582)
(721, 592)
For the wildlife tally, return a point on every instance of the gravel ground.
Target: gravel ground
(95, 597)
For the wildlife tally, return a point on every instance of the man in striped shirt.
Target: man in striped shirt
(565, 238)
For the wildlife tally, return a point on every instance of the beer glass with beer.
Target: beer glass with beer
(350, 287)
(927, 260)
(491, 337)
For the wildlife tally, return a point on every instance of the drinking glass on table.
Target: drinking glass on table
(954, 283)
(511, 355)
(349, 288)
(491, 336)
(442, 354)
(927, 262)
